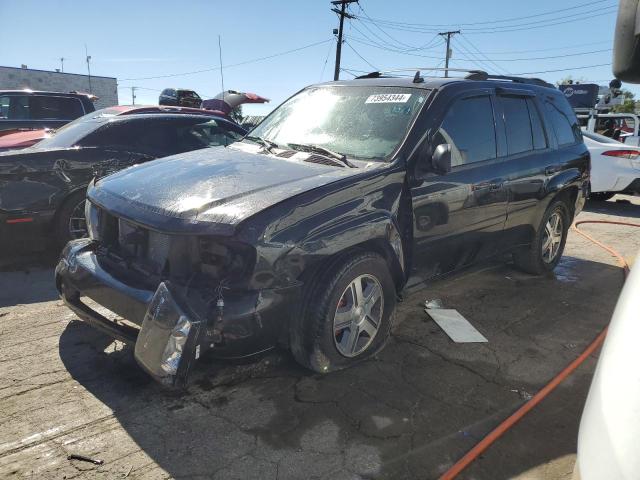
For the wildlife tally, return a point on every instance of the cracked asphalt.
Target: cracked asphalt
(407, 414)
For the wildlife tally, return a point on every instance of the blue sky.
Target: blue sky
(140, 39)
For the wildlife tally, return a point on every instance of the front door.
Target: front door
(458, 217)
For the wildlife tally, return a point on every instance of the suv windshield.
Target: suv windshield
(359, 122)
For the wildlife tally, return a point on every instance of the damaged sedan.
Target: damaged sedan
(305, 233)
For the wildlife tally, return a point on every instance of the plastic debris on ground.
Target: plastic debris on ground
(435, 303)
(455, 325)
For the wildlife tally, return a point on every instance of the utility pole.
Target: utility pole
(448, 52)
(133, 95)
(88, 65)
(62, 64)
(342, 13)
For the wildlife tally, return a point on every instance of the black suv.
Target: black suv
(29, 110)
(179, 97)
(305, 232)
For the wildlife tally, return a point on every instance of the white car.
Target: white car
(615, 167)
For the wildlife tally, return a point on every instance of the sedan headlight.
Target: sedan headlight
(92, 217)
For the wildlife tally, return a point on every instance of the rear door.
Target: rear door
(528, 162)
(459, 216)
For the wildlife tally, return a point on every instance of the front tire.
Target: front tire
(548, 243)
(346, 314)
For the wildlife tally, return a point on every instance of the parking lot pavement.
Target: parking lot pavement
(411, 412)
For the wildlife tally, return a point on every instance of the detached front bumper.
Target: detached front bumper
(176, 324)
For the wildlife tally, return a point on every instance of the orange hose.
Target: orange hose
(506, 424)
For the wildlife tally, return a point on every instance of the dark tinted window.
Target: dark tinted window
(539, 137)
(14, 107)
(517, 125)
(162, 136)
(469, 128)
(563, 120)
(52, 108)
(209, 133)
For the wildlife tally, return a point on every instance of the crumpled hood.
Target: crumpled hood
(218, 185)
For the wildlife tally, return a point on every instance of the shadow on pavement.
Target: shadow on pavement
(409, 413)
(623, 208)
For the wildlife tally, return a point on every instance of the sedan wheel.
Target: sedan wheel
(358, 315)
(77, 222)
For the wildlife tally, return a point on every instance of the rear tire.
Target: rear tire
(345, 314)
(70, 223)
(547, 246)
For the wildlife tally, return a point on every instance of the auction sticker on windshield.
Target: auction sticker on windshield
(389, 98)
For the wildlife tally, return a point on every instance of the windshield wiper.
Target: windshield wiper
(266, 144)
(322, 151)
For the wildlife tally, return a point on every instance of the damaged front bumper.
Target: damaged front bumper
(168, 327)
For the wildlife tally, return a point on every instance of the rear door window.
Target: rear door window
(517, 125)
(54, 108)
(539, 137)
(469, 128)
(564, 122)
(14, 107)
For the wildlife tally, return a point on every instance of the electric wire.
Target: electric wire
(253, 60)
(550, 12)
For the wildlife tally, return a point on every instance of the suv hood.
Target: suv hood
(209, 190)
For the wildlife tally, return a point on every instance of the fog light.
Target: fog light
(173, 351)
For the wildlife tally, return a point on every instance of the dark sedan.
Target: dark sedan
(42, 188)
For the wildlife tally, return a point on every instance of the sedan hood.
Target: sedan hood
(209, 190)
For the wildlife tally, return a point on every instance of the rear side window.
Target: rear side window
(55, 108)
(539, 137)
(469, 128)
(564, 122)
(517, 125)
(14, 107)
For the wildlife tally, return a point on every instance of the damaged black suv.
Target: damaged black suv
(304, 233)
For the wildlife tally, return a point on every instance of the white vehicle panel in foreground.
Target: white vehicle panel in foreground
(610, 427)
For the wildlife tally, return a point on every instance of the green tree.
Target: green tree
(570, 79)
(628, 104)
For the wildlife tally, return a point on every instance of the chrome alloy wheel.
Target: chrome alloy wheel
(552, 238)
(358, 315)
(77, 222)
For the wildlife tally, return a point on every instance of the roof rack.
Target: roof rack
(471, 75)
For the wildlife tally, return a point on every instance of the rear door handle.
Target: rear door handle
(551, 169)
(491, 186)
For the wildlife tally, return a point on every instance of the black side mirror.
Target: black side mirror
(441, 158)
(626, 48)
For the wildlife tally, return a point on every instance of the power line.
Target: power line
(233, 64)
(388, 49)
(326, 60)
(550, 57)
(566, 69)
(391, 48)
(361, 57)
(566, 47)
(586, 15)
(473, 47)
(440, 25)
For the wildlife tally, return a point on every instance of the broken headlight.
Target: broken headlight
(175, 346)
(166, 345)
(92, 217)
(224, 259)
